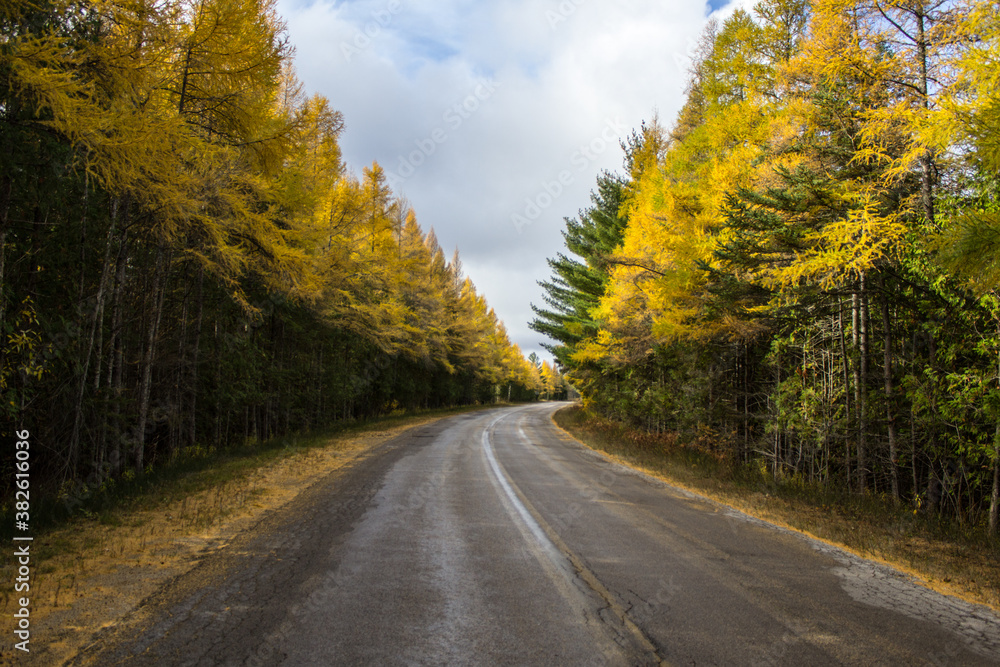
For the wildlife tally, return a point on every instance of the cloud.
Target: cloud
(489, 111)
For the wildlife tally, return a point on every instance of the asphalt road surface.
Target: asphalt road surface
(493, 538)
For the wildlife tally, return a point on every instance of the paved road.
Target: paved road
(493, 538)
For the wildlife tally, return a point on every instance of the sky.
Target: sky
(493, 118)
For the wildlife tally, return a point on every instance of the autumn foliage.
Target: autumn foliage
(804, 263)
(185, 261)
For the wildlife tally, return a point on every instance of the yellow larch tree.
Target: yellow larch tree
(675, 208)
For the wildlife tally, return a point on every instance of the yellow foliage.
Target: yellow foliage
(845, 249)
(673, 221)
(189, 116)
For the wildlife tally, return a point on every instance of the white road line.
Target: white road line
(575, 576)
(529, 521)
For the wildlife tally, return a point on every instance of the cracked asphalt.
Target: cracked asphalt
(493, 538)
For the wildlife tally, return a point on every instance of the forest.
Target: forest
(186, 263)
(799, 274)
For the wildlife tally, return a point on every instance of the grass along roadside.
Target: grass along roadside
(92, 570)
(945, 557)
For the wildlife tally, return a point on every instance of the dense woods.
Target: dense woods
(185, 261)
(800, 274)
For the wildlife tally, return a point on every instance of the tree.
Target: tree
(185, 261)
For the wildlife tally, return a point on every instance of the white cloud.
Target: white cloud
(563, 71)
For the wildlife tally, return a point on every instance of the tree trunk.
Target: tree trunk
(192, 429)
(95, 323)
(863, 389)
(5, 188)
(158, 292)
(745, 454)
(934, 486)
(777, 408)
(927, 159)
(116, 367)
(915, 480)
(319, 388)
(995, 496)
(218, 386)
(83, 239)
(856, 373)
(847, 388)
(889, 395)
(180, 373)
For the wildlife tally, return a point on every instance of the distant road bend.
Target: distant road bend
(492, 538)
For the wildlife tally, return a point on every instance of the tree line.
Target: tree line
(185, 260)
(800, 274)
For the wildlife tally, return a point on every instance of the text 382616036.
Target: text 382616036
(22, 541)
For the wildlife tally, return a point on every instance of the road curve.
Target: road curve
(493, 538)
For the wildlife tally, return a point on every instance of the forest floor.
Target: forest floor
(950, 559)
(93, 571)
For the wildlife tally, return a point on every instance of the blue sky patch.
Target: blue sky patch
(429, 48)
(714, 5)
